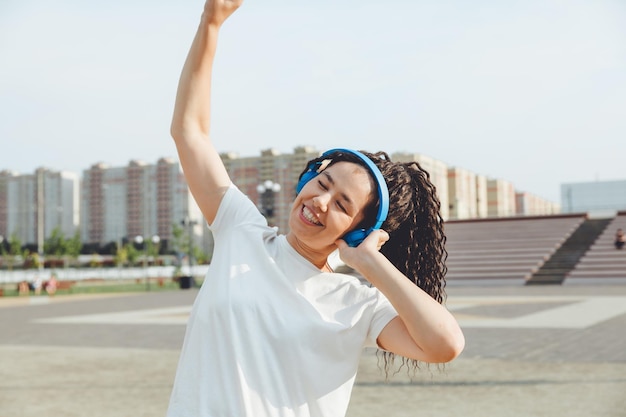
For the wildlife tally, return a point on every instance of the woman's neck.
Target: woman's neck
(319, 258)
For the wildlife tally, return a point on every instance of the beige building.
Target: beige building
(500, 198)
(462, 194)
(482, 202)
(527, 204)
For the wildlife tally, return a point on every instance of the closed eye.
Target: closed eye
(339, 204)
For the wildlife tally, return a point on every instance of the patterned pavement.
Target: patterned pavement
(530, 351)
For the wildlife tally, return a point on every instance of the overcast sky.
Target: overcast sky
(530, 91)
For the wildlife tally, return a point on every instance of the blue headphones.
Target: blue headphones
(355, 237)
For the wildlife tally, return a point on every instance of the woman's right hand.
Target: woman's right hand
(217, 11)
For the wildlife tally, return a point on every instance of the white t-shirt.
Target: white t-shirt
(270, 335)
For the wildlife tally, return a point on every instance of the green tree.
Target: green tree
(31, 260)
(73, 246)
(55, 245)
(121, 256)
(180, 240)
(200, 256)
(3, 251)
(14, 250)
(132, 254)
(152, 249)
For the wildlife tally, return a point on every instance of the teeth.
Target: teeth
(310, 216)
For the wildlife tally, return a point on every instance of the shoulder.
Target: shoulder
(235, 208)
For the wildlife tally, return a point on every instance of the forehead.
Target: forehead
(354, 177)
(348, 170)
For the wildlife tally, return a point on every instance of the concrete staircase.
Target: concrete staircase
(565, 258)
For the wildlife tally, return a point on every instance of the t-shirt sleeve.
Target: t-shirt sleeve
(235, 209)
(384, 312)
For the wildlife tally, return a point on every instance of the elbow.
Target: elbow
(451, 347)
(446, 346)
(183, 130)
(177, 131)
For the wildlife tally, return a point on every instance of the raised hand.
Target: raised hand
(217, 11)
(359, 257)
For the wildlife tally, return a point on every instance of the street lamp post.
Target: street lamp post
(267, 191)
(189, 224)
(141, 241)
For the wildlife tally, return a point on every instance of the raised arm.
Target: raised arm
(203, 168)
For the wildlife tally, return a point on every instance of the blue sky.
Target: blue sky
(533, 92)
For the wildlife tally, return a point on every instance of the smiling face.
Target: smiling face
(328, 206)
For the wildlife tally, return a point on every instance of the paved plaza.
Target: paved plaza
(530, 351)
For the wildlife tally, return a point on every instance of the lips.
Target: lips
(309, 216)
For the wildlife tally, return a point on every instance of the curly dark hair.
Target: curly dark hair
(416, 244)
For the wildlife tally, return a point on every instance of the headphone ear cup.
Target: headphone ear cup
(354, 237)
(306, 177)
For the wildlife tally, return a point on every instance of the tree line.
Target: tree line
(61, 251)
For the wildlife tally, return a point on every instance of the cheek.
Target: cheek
(343, 222)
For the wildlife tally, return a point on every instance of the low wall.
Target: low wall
(81, 274)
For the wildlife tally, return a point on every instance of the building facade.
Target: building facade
(500, 198)
(115, 204)
(527, 204)
(462, 194)
(596, 196)
(33, 205)
(136, 202)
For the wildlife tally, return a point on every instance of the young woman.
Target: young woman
(274, 330)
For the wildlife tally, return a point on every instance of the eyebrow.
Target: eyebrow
(332, 182)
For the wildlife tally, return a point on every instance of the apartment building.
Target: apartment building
(4, 202)
(527, 204)
(500, 198)
(33, 205)
(482, 201)
(138, 200)
(114, 204)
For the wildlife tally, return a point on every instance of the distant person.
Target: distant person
(51, 285)
(38, 284)
(620, 239)
(23, 288)
(275, 331)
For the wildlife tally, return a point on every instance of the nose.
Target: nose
(321, 201)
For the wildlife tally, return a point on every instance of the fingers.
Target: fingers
(341, 244)
(380, 237)
(383, 237)
(217, 11)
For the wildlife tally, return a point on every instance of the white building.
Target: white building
(33, 205)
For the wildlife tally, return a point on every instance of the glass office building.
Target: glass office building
(597, 196)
